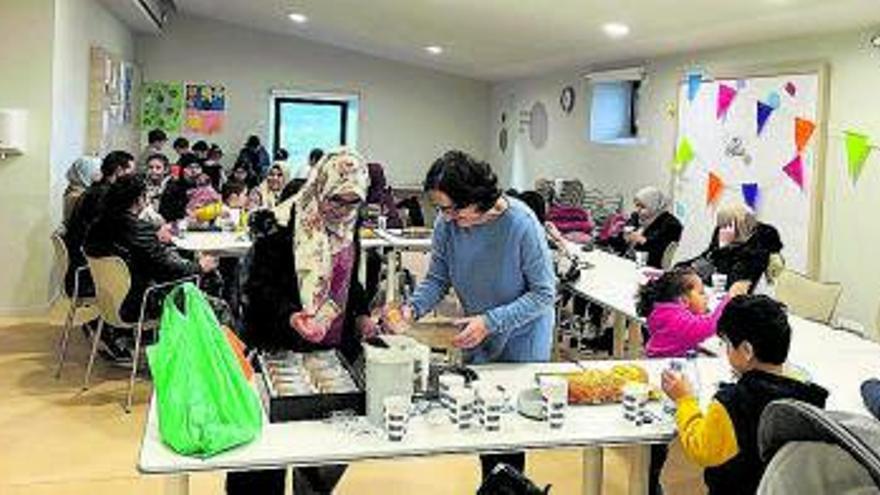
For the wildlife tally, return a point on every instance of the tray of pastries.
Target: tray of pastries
(603, 386)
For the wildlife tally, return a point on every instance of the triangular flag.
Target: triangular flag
(695, 79)
(750, 195)
(714, 188)
(803, 131)
(791, 89)
(857, 150)
(726, 94)
(684, 154)
(795, 170)
(680, 210)
(764, 112)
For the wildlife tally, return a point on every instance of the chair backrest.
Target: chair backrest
(808, 298)
(62, 259)
(775, 267)
(112, 283)
(669, 255)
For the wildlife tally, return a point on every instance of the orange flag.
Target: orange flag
(714, 189)
(803, 131)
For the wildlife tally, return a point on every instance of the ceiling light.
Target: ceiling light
(615, 29)
(298, 18)
(434, 49)
(875, 41)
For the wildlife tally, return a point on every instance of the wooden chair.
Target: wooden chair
(808, 298)
(112, 284)
(75, 303)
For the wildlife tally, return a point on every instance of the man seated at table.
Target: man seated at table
(119, 231)
(172, 205)
(724, 439)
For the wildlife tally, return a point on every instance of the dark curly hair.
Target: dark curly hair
(466, 180)
(760, 321)
(666, 288)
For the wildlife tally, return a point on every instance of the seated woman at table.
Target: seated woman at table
(119, 231)
(84, 171)
(740, 247)
(303, 293)
(493, 251)
(650, 229)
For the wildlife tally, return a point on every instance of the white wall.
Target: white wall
(409, 115)
(45, 71)
(849, 216)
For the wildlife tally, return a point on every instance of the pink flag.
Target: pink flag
(795, 171)
(726, 94)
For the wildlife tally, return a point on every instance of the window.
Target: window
(613, 113)
(304, 123)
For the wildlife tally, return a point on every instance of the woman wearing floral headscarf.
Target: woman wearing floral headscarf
(80, 176)
(303, 291)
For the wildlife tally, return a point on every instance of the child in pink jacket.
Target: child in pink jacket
(675, 305)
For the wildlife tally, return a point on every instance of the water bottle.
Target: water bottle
(669, 407)
(692, 371)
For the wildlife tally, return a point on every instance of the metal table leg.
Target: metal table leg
(177, 484)
(619, 335)
(593, 471)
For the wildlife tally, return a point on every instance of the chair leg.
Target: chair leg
(92, 354)
(134, 364)
(65, 336)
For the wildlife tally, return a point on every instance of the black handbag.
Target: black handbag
(505, 480)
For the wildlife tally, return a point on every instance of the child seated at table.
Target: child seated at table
(724, 438)
(235, 198)
(675, 305)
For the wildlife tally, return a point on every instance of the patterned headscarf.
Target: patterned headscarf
(317, 240)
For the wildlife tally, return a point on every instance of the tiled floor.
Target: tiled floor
(56, 439)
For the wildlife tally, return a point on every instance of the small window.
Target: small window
(613, 113)
(303, 123)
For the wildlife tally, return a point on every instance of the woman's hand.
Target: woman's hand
(163, 233)
(367, 326)
(676, 385)
(474, 332)
(739, 288)
(208, 263)
(305, 325)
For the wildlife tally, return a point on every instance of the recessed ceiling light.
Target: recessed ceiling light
(298, 18)
(615, 29)
(875, 41)
(434, 49)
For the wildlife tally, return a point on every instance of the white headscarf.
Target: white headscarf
(84, 171)
(654, 201)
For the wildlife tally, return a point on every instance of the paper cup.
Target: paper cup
(719, 282)
(397, 409)
(461, 408)
(641, 259)
(554, 391)
(447, 382)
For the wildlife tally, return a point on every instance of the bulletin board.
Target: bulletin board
(759, 140)
(113, 87)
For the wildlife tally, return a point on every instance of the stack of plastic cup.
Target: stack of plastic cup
(554, 392)
(635, 402)
(448, 382)
(397, 409)
(490, 407)
(461, 408)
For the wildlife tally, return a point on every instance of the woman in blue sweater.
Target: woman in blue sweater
(493, 251)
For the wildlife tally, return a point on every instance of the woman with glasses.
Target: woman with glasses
(303, 291)
(493, 251)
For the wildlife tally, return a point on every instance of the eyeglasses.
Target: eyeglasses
(340, 202)
(448, 210)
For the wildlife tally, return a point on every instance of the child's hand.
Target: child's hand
(739, 288)
(676, 385)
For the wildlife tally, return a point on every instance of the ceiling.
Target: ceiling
(505, 39)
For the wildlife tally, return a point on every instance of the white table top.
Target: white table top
(316, 442)
(611, 282)
(233, 243)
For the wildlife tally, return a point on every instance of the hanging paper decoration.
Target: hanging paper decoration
(795, 171)
(714, 189)
(774, 100)
(684, 154)
(858, 147)
(803, 131)
(726, 94)
(680, 210)
(741, 84)
(764, 112)
(694, 80)
(750, 195)
(791, 89)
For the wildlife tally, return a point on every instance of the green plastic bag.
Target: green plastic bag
(204, 402)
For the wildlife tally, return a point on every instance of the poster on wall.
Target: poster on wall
(126, 83)
(205, 108)
(162, 106)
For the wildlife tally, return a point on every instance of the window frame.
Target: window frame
(279, 101)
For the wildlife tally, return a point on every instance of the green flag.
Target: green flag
(684, 155)
(857, 150)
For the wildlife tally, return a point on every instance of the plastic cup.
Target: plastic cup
(719, 282)
(554, 391)
(641, 259)
(397, 409)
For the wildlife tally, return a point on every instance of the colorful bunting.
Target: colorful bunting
(726, 94)
(858, 147)
(791, 89)
(750, 194)
(741, 84)
(764, 112)
(803, 131)
(774, 100)
(795, 171)
(714, 189)
(680, 210)
(684, 154)
(695, 79)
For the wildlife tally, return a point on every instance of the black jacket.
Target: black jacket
(663, 231)
(84, 214)
(272, 292)
(148, 260)
(172, 204)
(741, 261)
(744, 402)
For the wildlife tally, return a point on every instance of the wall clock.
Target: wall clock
(566, 99)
